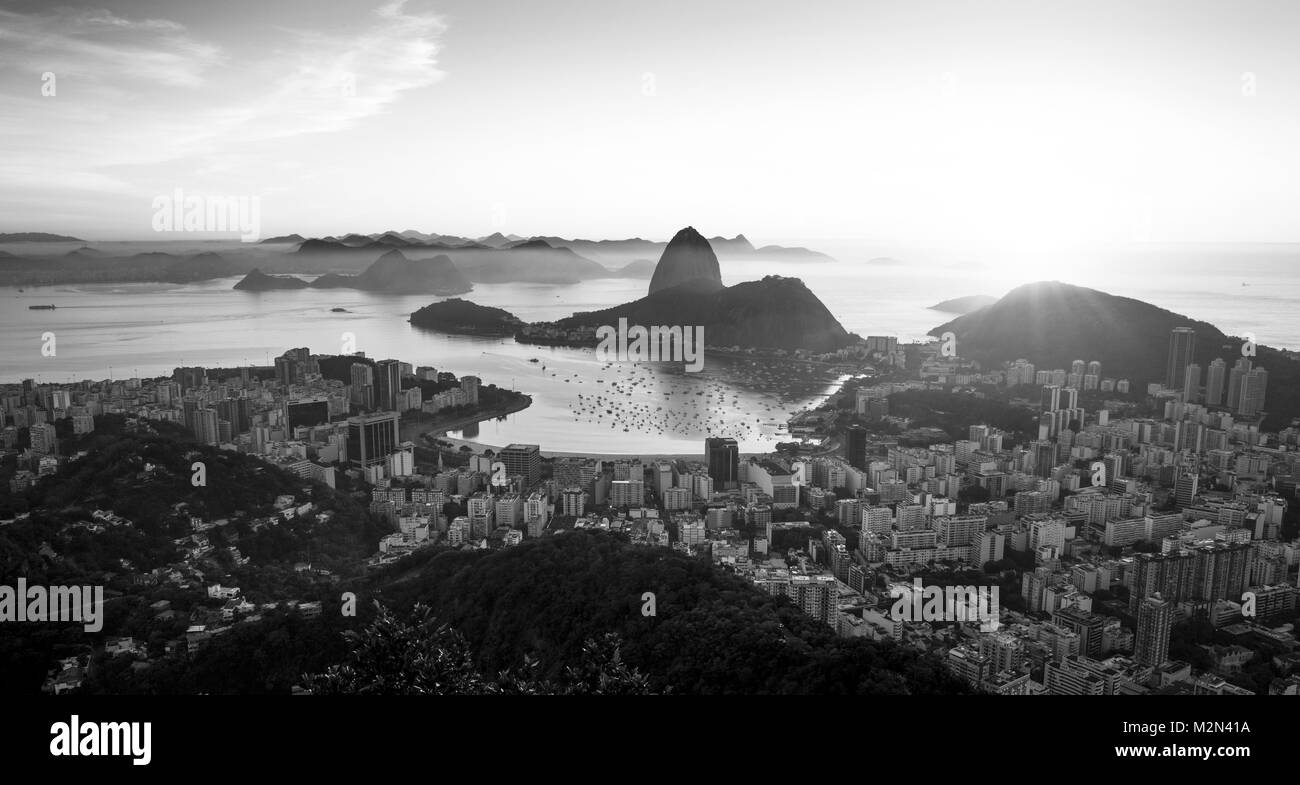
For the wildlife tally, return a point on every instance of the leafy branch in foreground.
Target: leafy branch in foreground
(418, 655)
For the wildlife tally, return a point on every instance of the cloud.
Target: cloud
(143, 101)
(100, 47)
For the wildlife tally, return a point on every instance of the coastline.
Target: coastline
(414, 429)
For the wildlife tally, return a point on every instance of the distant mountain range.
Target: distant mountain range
(495, 258)
(1051, 324)
(87, 265)
(392, 272)
(37, 237)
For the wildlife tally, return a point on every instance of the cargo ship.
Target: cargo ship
(40, 307)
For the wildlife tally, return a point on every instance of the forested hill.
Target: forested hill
(712, 633)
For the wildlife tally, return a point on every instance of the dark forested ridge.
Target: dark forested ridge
(713, 633)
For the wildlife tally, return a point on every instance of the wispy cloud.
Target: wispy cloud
(139, 99)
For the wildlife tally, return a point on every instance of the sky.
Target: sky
(972, 125)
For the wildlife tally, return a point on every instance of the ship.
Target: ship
(40, 307)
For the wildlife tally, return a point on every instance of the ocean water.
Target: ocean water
(584, 405)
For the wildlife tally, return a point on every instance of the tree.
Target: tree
(418, 655)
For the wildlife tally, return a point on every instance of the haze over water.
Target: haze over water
(579, 404)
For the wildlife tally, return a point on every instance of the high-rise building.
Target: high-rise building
(238, 412)
(722, 455)
(1192, 383)
(388, 385)
(1185, 489)
(363, 386)
(817, 595)
(1087, 625)
(306, 411)
(371, 438)
(470, 385)
(1182, 348)
(1154, 624)
(1253, 384)
(1214, 382)
(1239, 370)
(206, 427)
(286, 371)
(524, 460)
(44, 439)
(573, 501)
(855, 446)
(190, 378)
(1050, 400)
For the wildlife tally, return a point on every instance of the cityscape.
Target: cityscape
(1137, 541)
(856, 350)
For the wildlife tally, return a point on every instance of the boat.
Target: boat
(40, 307)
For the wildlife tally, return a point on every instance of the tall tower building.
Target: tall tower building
(1154, 624)
(372, 438)
(388, 385)
(1253, 383)
(1238, 371)
(524, 460)
(1192, 383)
(1051, 398)
(722, 455)
(855, 446)
(1185, 489)
(1215, 378)
(1182, 347)
(363, 385)
(470, 385)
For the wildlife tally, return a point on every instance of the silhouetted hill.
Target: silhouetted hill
(462, 316)
(792, 253)
(964, 305)
(688, 259)
(393, 239)
(1052, 324)
(534, 261)
(736, 245)
(775, 312)
(713, 633)
(37, 237)
(638, 268)
(258, 281)
(324, 247)
(393, 272)
(284, 238)
(200, 267)
(494, 240)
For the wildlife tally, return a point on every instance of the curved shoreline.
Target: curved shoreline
(415, 429)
